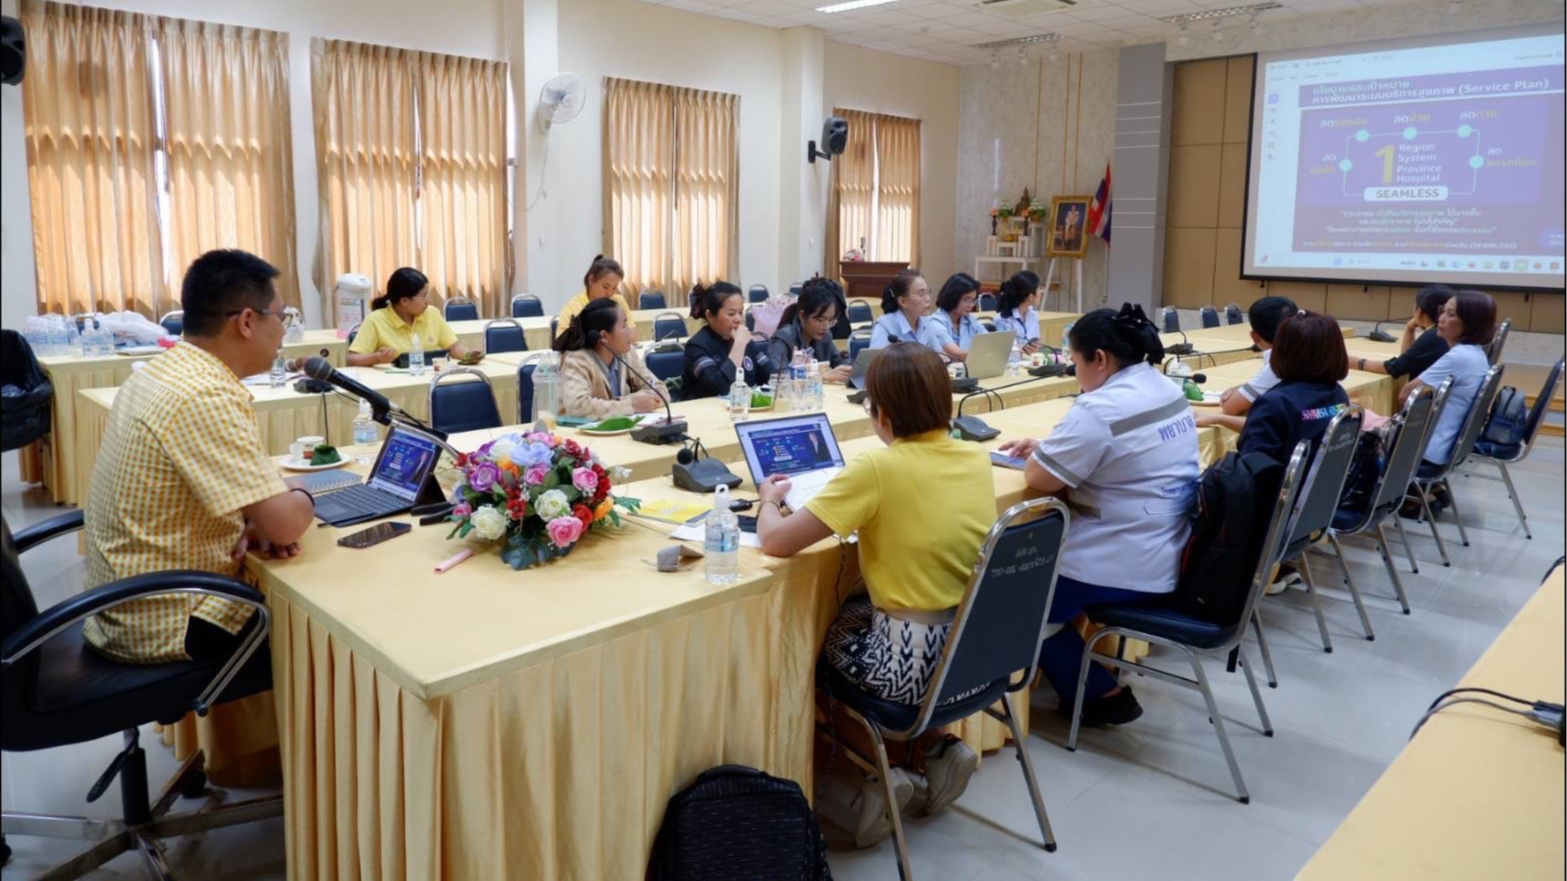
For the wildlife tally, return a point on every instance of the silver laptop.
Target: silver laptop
(802, 448)
(987, 355)
(862, 363)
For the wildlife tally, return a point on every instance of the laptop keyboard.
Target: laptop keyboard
(360, 499)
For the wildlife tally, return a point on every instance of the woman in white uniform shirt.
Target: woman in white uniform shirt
(955, 307)
(906, 300)
(1125, 456)
(1015, 309)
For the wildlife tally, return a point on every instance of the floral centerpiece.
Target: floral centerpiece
(536, 494)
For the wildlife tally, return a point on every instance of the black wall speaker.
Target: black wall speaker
(835, 139)
(13, 51)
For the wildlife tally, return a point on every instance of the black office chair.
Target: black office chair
(757, 293)
(1166, 625)
(26, 416)
(55, 691)
(987, 302)
(527, 306)
(468, 405)
(173, 322)
(1171, 319)
(1493, 352)
(1210, 316)
(1502, 455)
(1233, 314)
(461, 309)
(995, 634)
(669, 326)
(1428, 476)
(859, 312)
(652, 300)
(504, 335)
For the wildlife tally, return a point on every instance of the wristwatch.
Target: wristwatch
(1362, 364)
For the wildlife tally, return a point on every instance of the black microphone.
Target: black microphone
(319, 368)
(893, 338)
(666, 432)
(1378, 335)
(1199, 378)
(298, 364)
(1184, 347)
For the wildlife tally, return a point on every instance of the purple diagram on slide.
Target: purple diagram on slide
(1466, 164)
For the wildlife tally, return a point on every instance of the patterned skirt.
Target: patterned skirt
(889, 657)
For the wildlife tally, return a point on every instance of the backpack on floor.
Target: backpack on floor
(1229, 523)
(1509, 420)
(737, 822)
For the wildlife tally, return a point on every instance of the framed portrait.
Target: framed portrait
(1068, 235)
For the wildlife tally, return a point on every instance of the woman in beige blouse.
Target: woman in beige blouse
(601, 372)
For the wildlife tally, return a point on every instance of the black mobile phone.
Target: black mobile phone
(374, 535)
(740, 505)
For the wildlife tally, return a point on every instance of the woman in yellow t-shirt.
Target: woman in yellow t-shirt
(915, 577)
(399, 315)
(602, 281)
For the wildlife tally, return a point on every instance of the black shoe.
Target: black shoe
(1441, 499)
(1117, 709)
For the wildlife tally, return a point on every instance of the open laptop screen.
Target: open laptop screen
(792, 445)
(406, 459)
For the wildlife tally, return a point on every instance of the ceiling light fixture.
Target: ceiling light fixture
(1211, 14)
(1185, 37)
(1030, 40)
(1218, 32)
(851, 5)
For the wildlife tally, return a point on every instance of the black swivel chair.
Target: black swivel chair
(468, 405)
(55, 691)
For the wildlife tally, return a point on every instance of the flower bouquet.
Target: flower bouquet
(538, 493)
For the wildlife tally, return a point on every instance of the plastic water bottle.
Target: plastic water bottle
(740, 399)
(36, 331)
(1066, 339)
(279, 375)
(1015, 359)
(364, 427)
(105, 339)
(416, 357)
(546, 392)
(57, 336)
(818, 394)
(73, 340)
(721, 544)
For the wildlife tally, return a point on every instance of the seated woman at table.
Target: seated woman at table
(399, 315)
(1310, 362)
(601, 372)
(955, 315)
(723, 349)
(1421, 346)
(808, 322)
(602, 282)
(1125, 459)
(906, 300)
(1015, 309)
(889, 641)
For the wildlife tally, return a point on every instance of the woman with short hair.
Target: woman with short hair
(1467, 324)
(955, 313)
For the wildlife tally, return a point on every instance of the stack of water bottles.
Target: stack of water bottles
(54, 336)
(798, 388)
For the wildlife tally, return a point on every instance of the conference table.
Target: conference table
(1477, 793)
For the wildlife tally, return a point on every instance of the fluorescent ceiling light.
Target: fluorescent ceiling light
(852, 4)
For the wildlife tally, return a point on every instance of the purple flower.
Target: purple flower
(483, 476)
(585, 480)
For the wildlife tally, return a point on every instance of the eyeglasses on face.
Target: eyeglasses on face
(285, 316)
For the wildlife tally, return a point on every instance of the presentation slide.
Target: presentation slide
(1437, 159)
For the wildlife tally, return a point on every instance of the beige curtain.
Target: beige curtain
(462, 128)
(897, 189)
(230, 172)
(639, 197)
(707, 189)
(367, 161)
(87, 107)
(849, 209)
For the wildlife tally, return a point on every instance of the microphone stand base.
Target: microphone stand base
(704, 476)
(659, 433)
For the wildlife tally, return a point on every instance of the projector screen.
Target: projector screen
(1434, 159)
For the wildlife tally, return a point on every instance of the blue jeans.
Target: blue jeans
(1061, 656)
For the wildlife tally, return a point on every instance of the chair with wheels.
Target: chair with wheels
(988, 302)
(757, 294)
(1428, 475)
(1195, 639)
(527, 306)
(461, 309)
(57, 692)
(859, 312)
(1170, 319)
(1210, 316)
(466, 405)
(995, 634)
(173, 322)
(652, 300)
(1493, 352)
(669, 326)
(1502, 455)
(504, 335)
(1233, 314)
(858, 340)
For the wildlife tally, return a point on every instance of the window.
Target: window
(875, 201)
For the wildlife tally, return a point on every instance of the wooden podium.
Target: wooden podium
(867, 279)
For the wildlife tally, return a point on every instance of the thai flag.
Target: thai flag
(1099, 209)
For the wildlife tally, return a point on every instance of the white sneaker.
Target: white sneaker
(1284, 582)
(873, 825)
(948, 767)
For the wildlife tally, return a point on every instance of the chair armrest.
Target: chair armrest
(39, 629)
(51, 528)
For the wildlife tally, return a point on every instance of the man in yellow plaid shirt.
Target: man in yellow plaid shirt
(182, 481)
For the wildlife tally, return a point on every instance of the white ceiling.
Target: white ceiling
(947, 30)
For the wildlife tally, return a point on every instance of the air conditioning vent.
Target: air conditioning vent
(1024, 8)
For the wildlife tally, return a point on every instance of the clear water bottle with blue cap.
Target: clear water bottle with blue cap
(721, 541)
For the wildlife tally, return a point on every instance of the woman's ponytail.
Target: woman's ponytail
(1127, 336)
(1139, 333)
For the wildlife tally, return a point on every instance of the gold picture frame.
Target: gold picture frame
(1067, 232)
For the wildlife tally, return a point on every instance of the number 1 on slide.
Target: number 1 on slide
(1387, 163)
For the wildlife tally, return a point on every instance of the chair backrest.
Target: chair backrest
(461, 309)
(1325, 481)
(173, 322)
(17, 605)
(465, 405)
(1171, 319)
(504, 335)
(1273, 544)
(1474, 421)
(842, 327)
(1001, 622)
(669, 326)
(527, 306)
(554, 329)
(750, 320)
(987, 302)
(666, 365)
(652, 300)
(857, 341)
(859, 312)
(1411, 426)
(1542, 405)
(796, 288)
(757, 293)
(352, 332)
(1210, 316)
(525, 387)
(1233, 314)
(1493, 352)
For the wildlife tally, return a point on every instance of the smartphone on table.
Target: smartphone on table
(374, 535)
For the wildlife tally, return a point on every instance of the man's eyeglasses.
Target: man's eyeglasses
(285, 317)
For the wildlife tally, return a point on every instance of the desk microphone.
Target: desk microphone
(319, 368)
(1378, 335)
(701, 474)
(666, 432)
(1184, 347)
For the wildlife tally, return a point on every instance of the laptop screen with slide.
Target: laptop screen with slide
(405, 460)
(791, 445)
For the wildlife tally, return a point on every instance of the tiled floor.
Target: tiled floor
(1151, 799)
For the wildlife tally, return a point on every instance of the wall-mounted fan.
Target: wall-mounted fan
(560, 100)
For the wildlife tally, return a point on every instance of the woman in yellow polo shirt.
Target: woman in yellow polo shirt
(601, 281)
(401, 313)
(890, 642)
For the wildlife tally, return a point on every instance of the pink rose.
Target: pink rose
(535, 475)
(585, 480)
(541, 437)
(564, 531)
(463, 509)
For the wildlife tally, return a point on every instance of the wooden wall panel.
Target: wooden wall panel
(1199, 103)
(1237, 100)
(1188, 267)
(1232, 186)
(1194, 186)
(1545, 314)
(1358, 301)
(1228, 286)
(1306, 294)
(1514, 306)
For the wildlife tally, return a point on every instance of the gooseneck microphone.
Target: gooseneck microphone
(666, 432)
(319, 368)
(1184, 347)
(1378, 335)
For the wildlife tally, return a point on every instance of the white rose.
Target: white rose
(552, 504)
(489, 523)
(500, 450)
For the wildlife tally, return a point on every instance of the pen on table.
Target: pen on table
(453, 560)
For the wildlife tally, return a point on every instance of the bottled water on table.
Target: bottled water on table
(364, 429)
(279, 375)
(546, 392)
(73, 340)
(740, 399)
(721, 543)
(416, 357)
(105, 339)
(1015, 359)
(818, 394)
(1066, 339)
(58, 337)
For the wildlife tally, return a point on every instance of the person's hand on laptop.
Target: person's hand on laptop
(774, 489)
(837, 374)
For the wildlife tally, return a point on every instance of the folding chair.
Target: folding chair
(462, 406)
(1502, 455)
(527, 306)
(461, 309)
(1427, 475)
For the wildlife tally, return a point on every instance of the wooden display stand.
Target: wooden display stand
(865, 278)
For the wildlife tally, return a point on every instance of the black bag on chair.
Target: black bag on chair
(737, 822)
(1229, 524)
(25, 392)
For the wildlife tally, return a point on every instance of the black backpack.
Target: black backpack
(1509, 420)
(737, 822)
(1229, 523)
(1364, 470)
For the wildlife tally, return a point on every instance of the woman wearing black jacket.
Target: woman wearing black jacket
(723, 349)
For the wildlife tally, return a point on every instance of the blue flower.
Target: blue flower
(526, 455)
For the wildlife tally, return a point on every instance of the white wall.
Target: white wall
(856, 78)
